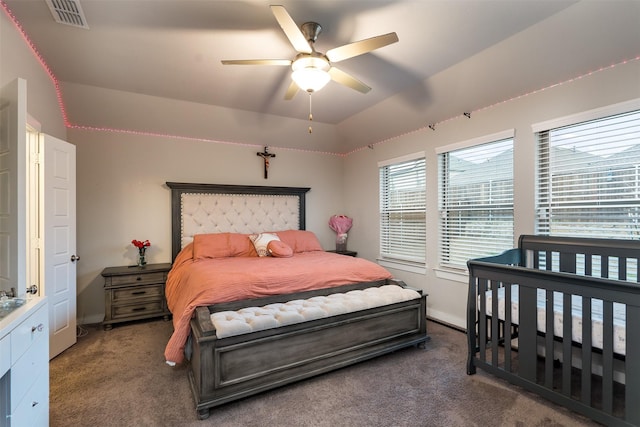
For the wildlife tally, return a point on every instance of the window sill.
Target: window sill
(404, 266)
(461, 276)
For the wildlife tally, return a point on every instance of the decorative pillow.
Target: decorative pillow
(222, 245)
(260, 242)
(279, 249)
(300, 240)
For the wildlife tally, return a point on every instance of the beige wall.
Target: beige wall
(121, 195)
(120, 176)
(17, 61)
(447, 298)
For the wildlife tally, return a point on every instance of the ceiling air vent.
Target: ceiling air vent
(67, 12)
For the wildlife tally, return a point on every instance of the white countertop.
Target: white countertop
(14, 318)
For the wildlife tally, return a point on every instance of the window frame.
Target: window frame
(543, 203)
(447, 263)
(387, 258)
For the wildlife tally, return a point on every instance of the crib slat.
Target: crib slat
(632, 366)
(607, 357)
(482, 319)
(588, 261)
(472, 323)
(586, 351)
(566, 344)
(527, 336)
(548, 260)
(622, 268)
(604, 266)
(567, 262)
(548, 341)
(507, 327)
(495, 322)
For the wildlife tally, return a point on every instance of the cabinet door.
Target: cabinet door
(5, 354)
(33, 410)
(29, 354)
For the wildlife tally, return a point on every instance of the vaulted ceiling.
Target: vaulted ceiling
(173, 49)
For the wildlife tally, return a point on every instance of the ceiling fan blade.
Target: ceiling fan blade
(348, 80)
(286, 62)
(292, 90)
(358, 48)
(291, 30)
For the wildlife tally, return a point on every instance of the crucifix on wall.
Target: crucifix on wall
(266, 155)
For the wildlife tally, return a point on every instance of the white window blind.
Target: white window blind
(475, 196)
(403, 211)
(588, 178)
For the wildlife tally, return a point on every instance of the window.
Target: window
(475, 197)
(588, 178)
(403, 210)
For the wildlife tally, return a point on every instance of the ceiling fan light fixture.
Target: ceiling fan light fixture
(311, 73)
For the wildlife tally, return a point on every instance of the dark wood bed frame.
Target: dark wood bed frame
(513, 351)
(227, 369)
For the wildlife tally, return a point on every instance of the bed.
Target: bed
(296, 320)
(558, 316)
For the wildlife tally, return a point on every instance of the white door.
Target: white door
(13, 155)
(58, 197)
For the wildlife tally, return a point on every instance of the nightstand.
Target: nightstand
(348, 253)
(134, 293)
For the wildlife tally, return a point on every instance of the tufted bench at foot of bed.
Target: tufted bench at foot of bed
(237, 366)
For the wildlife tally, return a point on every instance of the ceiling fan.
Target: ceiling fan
(312, 70)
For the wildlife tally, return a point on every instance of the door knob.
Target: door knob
(75, 258)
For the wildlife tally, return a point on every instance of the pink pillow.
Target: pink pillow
(279, 249)
(300, 240)
(222, 245)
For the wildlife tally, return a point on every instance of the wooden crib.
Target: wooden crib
(584, 290)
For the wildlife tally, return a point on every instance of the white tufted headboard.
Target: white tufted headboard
(216, 208)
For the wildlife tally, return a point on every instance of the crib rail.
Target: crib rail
(512, 346)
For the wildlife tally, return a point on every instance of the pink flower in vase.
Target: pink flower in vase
(341, 224)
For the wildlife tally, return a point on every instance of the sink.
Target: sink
(7, 305)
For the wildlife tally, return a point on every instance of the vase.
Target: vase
(142, 260)
(341, 242)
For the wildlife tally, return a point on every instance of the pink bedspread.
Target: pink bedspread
(208, 281)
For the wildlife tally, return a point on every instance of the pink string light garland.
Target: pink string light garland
(68, 124)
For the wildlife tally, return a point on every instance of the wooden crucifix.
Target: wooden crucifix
(265, 156)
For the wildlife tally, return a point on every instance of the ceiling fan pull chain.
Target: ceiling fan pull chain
(310, 114)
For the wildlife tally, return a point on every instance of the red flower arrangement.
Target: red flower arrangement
(142, 247)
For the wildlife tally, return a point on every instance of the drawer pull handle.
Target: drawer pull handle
(139, 309)
(38, 328)
(138, 278)
(138, 292)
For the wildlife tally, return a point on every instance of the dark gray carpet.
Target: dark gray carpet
(119, 378)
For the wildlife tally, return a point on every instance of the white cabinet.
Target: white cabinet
(24, 400)
(5, 354)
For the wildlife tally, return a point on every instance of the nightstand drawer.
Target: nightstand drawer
(135, 279)
(134, 293)
(146, 292)
(131, 311)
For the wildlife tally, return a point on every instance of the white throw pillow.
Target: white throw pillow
(260, 242)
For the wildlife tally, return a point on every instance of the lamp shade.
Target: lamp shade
(310, 73)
